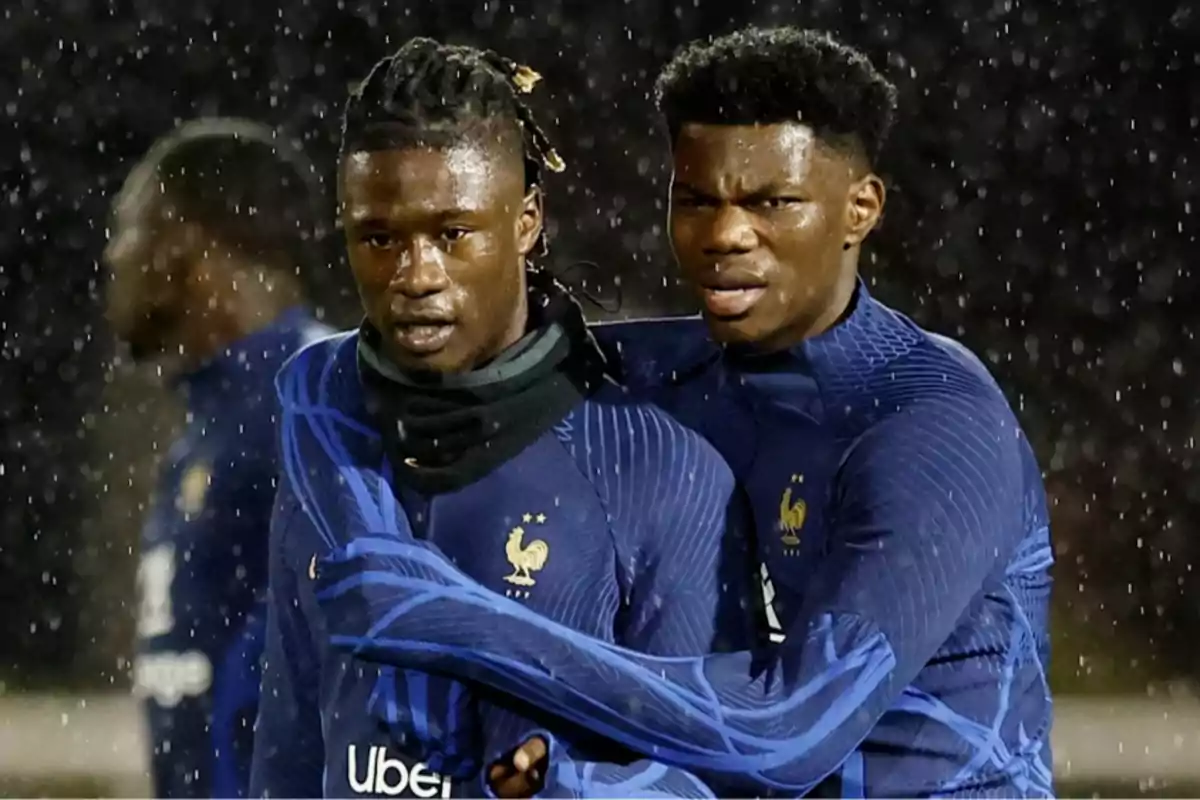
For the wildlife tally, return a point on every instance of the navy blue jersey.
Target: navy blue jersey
(618, 523)
(204, 563)
(902, 524)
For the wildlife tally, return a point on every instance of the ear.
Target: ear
(193, 244)
(171, 264)
(864, 207)
(529, 224)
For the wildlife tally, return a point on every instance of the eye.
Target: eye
(690, 201)
(455, 234)
(376, 241)
(780, 202)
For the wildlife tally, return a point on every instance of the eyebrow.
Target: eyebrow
(365, 221)
(766, 190)
(367, 218)
(679, 187)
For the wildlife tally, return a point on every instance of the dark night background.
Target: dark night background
(1042, 208)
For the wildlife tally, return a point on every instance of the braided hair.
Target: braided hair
(434, 94)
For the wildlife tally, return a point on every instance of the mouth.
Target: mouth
(423, 337)
(731, 300)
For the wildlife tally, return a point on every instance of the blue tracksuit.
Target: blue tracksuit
(204, 564)
(901, 520)
(616, 522)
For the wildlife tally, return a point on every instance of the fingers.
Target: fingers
(521, 774)
(507, 782)
(529, 754)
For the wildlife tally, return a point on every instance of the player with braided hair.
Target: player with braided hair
(472, 408)
(900, 511)
(433, 94)
(433, 99)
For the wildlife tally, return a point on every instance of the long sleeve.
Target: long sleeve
(681, 531)
(691, 596)
(688, 601)
(930, 507)
(686, 568)
(199, 631)
(691, 584)
(641, 779)
(288, 748)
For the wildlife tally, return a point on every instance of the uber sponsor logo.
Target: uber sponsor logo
(391, 776)
(167, 678)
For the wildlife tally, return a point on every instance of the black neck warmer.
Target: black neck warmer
(443, 432)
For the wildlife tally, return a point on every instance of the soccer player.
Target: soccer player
(472, 409)
(207, 234)
(899, 509)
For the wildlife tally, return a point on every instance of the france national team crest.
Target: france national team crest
(525, 557)
(792, 513)
(193, 489)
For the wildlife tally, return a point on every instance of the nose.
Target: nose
(421, 271)
(731, 232)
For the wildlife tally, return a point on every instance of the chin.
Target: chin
(144, 338)
(440, 362)
(431, 364)
(736, 330)
(144, 350)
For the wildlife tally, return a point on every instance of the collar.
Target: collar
(532, 349)
(443, 432)
(867, 335)
(245, 367)
(672, 350)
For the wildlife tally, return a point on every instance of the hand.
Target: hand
(522, 773)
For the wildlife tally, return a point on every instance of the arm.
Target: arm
(931, 505)
(199, 632)
(692, 593)
(689, 597)
(689, 576)
(289, 751)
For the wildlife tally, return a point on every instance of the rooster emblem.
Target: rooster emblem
(792, 514)
(525, 559)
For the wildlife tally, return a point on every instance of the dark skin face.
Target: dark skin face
(146, 258)
(177, 295)
(766, 223)
(437, 240)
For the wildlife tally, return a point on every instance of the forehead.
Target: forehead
(468, 177)
(784, 152)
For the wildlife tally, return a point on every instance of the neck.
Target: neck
(516, 329)
(229, 302)
(518, 326)
(444, 433)
(839, 300)
(830, 313)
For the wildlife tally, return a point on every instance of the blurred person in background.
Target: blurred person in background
(210, 235)
(473, 406)
(900, 513)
